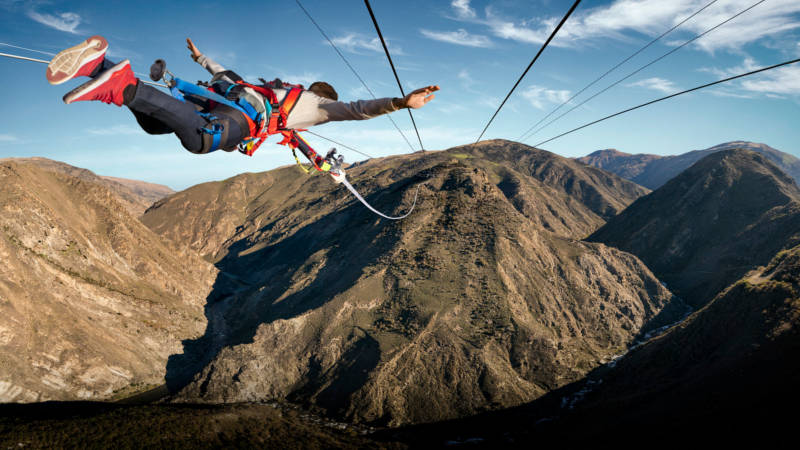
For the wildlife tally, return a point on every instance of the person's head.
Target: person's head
(323, 89)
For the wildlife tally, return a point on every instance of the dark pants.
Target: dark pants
(160, 113)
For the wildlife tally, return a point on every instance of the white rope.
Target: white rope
(25, 58)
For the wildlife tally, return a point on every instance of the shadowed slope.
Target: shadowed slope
(726, 215)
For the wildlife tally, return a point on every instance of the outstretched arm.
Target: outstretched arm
(202, 59)
(314, 110)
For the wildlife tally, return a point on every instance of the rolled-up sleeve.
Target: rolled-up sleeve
(209, 64)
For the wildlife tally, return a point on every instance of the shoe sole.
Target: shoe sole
(67, 63)
(89, 86)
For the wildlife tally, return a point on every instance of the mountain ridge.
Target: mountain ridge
(652, 171)
(727, 214)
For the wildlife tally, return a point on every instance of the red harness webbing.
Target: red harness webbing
(276, 123)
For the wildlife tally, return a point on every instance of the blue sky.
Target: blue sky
(475, 50)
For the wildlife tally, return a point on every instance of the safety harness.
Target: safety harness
(259, 125)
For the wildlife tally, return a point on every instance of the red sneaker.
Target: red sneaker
(107, 87)
(80, 60)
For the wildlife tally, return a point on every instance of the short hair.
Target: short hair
(324, 89)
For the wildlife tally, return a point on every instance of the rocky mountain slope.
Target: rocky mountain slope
(725, 375)
(91, 301)
(707, 227)
(653, 171)
(482, 298)
(135, 195)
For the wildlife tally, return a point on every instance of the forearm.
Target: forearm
(361, 109)
(209, 64)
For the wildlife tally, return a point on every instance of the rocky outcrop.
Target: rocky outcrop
(92, 303)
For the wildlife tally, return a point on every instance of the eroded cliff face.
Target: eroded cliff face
(91, 300)
(469, 304)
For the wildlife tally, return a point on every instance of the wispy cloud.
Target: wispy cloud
(458, 37)
(357, 43)
(656, 84)
(785, 80)
(538, 96)
(650, 17)
(305, 78)
(8, 138)
(115, 130)
(462, 9)
(775, 83)
(67, 21)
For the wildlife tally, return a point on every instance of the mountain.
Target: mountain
(726, 215)
(623, 164)
(480, 299)
(91, 301)
(731, 364)
(653, 171)
(135, 195)
(726, 374)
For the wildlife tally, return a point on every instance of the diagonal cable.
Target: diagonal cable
(552, 35)
(386, 50)
(671, 96)
(352, 69)
(339, 143)
(615, 68)
(647, 65)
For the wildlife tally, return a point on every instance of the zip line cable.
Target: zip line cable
(28, 49)
(386, 50)
(352, 69)
(647, 65)
(24, 58)
(615, 67)
(670, 96)
(338, 143)
(552, 35)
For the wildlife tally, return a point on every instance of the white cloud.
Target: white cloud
(784, 80)
(458, 37)
(63, 22)
(356, 43)
(115, 130)
(305, 78)
(656, 84)
(774, 83)
(538, 96)
(8, 138)
(653, 17)
(463, 10)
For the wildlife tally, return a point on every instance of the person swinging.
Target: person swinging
(229, 114)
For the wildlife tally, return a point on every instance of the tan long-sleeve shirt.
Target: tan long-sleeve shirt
(310, 108)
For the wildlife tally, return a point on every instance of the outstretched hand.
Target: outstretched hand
(420, 97)
(195, 52)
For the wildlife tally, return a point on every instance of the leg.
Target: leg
(158, 112)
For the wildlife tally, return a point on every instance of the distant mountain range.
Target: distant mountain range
(652, 171)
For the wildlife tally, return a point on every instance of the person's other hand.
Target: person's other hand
(420, 97)
(195, 52)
